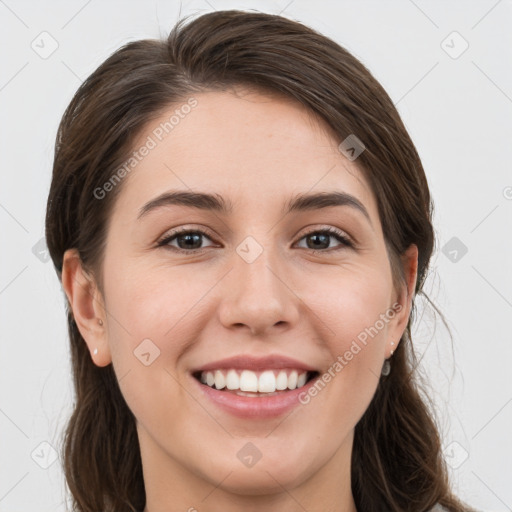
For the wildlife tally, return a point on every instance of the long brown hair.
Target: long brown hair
(397, 461)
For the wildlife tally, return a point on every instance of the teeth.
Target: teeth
(248, 381)
(220, 380)
(232, 380)
(292, 380)
(281, 381)
(267, 381)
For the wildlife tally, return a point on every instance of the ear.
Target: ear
(87, 305)
(404, 298)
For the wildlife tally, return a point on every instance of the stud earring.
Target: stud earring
(95, 351)
(100, 321)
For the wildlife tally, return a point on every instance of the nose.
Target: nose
(257, 297)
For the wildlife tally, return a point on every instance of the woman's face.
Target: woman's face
(252, 281)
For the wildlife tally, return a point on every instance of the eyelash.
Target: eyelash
(339, 235)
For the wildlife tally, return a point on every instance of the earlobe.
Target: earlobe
(86, 303)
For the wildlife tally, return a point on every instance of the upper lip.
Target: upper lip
(247, 362)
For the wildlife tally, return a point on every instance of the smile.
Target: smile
(255, 383)
(254, 386)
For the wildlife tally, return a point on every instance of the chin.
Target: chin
(259, 482)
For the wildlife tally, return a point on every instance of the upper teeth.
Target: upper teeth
(267, 381)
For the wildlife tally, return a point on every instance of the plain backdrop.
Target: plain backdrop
(446, 65)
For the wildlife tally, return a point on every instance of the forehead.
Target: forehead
(248, 146)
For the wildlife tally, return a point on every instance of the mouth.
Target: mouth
(255, 384)
(254, 387)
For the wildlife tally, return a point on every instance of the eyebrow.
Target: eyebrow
(216, 203)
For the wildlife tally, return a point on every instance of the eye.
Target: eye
(188, 240)
(320, 239)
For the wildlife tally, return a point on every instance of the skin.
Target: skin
(253, 149)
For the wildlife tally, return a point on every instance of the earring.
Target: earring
(100, 321)
(95, 351)
(386, 367)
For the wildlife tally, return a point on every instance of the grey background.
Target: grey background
(457, 106)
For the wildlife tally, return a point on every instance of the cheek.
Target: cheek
(154, 304)
(352, 305)
(355, 317)
(151, 325)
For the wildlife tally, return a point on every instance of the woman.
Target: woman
(240, 222)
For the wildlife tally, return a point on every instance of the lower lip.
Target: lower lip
(258, 406)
